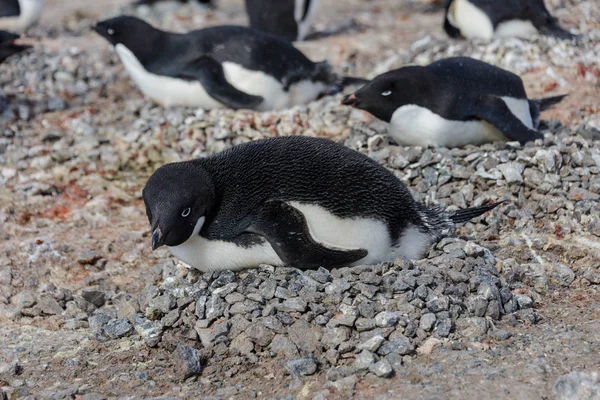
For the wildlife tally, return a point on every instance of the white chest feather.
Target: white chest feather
(212, 255)
(31, 10)
(417, 126)
(470, 20)
(168, 91)
(325, 228)
(516, 28)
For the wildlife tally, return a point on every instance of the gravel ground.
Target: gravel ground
(510, 308)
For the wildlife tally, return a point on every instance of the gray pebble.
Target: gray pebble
(302, 367)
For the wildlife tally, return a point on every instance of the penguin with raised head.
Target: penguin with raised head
(220, 66)
(486, 19)
(452, 103)
(18, 15)
(290, 19)
(296, 201)
(8, 47)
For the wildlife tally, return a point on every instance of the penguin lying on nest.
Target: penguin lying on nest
(296, 201)
(486, 19)
(452, 102)
(221, 66)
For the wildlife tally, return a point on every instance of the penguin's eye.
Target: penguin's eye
(386, 93)
(110, 31)
(186, 212)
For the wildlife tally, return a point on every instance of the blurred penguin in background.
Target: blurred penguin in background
(290, 19)
(18, 15)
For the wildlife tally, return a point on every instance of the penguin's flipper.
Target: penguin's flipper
(286, 229)
(209, 72)
(495, 111)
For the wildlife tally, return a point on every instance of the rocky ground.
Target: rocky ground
(510, 308)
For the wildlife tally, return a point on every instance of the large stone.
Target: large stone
(150, 331)
(578, 386)
(118, 328)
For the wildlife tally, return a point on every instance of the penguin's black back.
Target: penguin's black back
(275, 17)
(9, 8)
(250, 48)
(307, 170)
(464, 74)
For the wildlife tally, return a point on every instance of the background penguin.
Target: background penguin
(297, 201)
(230, 66)
(8, 47)
(290, 19)
(18, 15)
(452, 103)
(485, 19)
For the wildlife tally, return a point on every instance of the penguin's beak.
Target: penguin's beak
(157, 238)
(350, 100)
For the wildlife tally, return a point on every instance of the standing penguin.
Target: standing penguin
(221, 66)
(290, 19)
(8, 47)
(18, 15)
(296, 201)
(485, 19)
(452, 103)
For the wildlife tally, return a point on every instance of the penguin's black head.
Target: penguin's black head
(137, 35)
(178, 197)
(8, 47)
(387, 92)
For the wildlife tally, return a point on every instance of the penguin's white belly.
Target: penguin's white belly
(361, 233)
(470, 20)
(515, 28)
(168, 91)
(30, 13)
(412, 125)
(212, 255)
(325, 228)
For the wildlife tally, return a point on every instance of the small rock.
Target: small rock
(186, 361)
(48, 306)
(302, 367)
(382, 369)
(150, 331)
(94, 297)
(371, 344)
(499, 334)
(259, 334)
(88, 258)
(386, 319)
(363, 361)
(294, 304)
(427, 322)
(118, 328)
(523, 301)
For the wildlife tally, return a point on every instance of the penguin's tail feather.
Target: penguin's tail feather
(461, 216)
(554, 29)
(439, 222)
(536, 106)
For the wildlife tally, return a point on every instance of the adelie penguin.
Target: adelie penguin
(221, 66)
(18, 15)
(486, 19)
(452, 103)
(8, 47)
(290, 19)
(296, 201)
